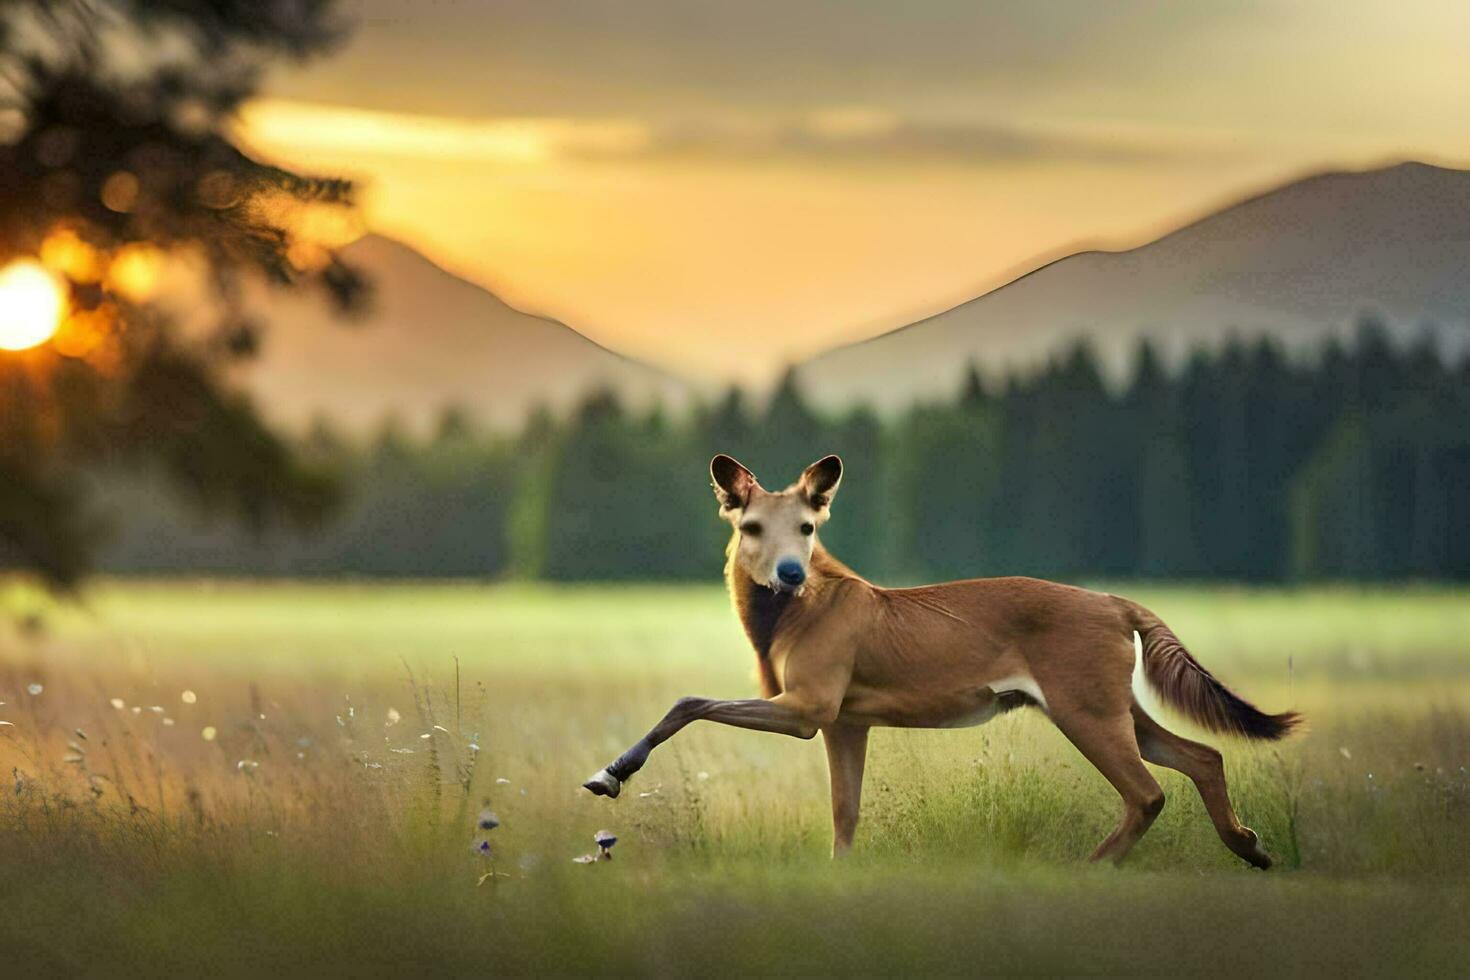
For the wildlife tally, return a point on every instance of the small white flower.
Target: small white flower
(188, 697)
(168, 722)
(502, 781)
(393, 716)
(247, 765)
(703, 776)
(34, 689)
(209, 733)
(118, 703)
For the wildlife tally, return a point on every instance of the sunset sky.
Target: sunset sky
(722, 187)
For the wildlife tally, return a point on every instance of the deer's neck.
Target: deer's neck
(763, 611)
(760, 610)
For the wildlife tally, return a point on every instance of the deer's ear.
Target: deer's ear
(819, 482)
(732, 482)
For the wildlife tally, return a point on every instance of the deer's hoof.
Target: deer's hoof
(1253, 852)
(604, 784)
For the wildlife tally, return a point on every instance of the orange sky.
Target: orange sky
(721, 192)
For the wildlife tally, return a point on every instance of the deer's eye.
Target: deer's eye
(807, 528)
(752, 528)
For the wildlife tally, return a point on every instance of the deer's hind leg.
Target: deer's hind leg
(1204, 765)
(1108, 742)
(1086, 681)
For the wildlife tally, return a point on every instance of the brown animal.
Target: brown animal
(838, 655)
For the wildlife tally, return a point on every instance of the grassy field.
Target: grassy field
(232, 778)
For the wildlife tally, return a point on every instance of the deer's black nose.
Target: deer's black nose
(789, 571)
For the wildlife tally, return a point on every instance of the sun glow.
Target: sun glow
(135, 272)
(32, 304)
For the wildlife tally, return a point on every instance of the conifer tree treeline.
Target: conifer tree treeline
(1243, 464)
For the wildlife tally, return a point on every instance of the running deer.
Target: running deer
(839, 655)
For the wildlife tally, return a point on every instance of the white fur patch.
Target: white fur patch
(1142, 692)
(991, 708)
(1023, 683)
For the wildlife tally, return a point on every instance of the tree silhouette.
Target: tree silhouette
(116, 159)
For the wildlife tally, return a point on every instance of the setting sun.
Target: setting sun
(32, 301)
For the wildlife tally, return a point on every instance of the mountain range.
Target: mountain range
(1297, 264)
(429, 340)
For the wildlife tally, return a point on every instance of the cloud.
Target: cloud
(509, 140)
(844, 134)
(874, 135)
(535, 57)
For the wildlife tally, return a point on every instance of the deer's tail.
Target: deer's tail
(1184, 683)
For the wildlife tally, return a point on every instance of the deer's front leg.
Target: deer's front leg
(785, 714)
(847, 751)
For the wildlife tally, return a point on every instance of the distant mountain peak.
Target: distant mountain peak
(1300, 262)
(431, 340)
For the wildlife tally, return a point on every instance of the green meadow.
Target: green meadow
(220, 777)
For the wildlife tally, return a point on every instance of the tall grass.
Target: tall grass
(329, 822)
